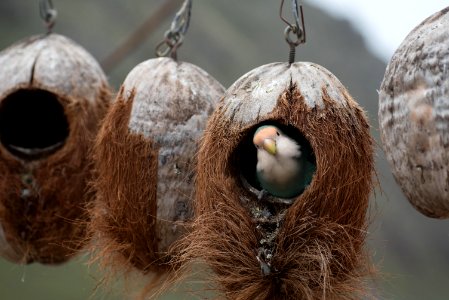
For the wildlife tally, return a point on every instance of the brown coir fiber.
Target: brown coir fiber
(319, 250)
(124, 215)
(49, 225)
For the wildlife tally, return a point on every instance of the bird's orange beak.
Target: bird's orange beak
(270, 146)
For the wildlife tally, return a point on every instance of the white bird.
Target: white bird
(282, 169)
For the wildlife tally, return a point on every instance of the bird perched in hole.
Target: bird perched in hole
(283, 170)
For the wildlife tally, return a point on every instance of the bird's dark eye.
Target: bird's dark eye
(277, 133)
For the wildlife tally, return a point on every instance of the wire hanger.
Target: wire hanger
(48, 14)
(174, 37)
(297, 30)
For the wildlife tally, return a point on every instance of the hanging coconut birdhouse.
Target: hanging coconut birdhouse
(145, 159)
(413, 109)
(284, 176)
(52, 96)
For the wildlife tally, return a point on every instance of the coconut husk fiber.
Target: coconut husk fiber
(53, 95)
(318, 249)
(413, 110)
(145, 157)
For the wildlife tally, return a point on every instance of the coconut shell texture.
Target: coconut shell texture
(413, 115)
(319, 245)
(145, 158)
(43, 200)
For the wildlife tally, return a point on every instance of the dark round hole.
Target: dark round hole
(245, 155)
(32, 123)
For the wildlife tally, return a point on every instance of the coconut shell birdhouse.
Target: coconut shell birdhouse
(308, 244)
(52, 96)
(145, 157)
(413, 109)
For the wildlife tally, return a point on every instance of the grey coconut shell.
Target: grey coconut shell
(256, 94)
(171, 106)
(56, 64)
(414, 115)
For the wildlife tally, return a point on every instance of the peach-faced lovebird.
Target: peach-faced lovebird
(282, 169)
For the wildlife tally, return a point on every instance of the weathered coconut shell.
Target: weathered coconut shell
(413, 115)
(52, 97)
(318, 237)
(145, 159)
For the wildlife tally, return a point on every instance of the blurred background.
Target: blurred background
(353, 39)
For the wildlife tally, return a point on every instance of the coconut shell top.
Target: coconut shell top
(308, 247)
(413, 112)
(52, 97)
(145, 159)
(53, 62)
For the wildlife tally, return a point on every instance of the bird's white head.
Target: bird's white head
(265, 138)
(270, 139)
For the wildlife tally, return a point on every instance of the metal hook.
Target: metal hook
(174, 37)
(298, 29)
(48, 13)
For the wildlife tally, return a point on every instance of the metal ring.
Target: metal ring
(297, 32)
(162, 49)
(48, 13)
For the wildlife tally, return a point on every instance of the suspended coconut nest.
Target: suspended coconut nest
(145, 157)
(307, 247)
(413, 115)
(52, 96)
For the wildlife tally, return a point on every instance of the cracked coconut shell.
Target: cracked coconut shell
(308, 247)
(52, 96)
(145, 157)
(413, 115)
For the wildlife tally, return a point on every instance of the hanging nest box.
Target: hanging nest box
(145, 156)
(307, 247)
(413, 110)
(52, 97)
